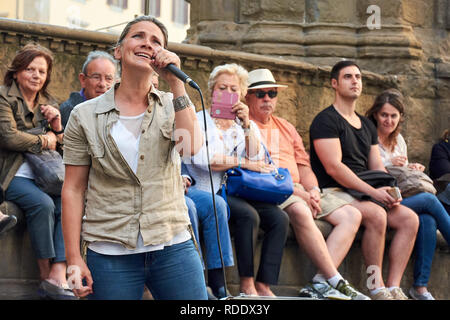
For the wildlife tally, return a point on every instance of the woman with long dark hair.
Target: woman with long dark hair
(387, 113)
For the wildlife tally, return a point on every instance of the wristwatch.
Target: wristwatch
(315, 188)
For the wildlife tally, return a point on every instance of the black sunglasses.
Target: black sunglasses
(261, 94)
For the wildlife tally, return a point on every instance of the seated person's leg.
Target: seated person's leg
(310, 238)
(244, 222)
(275, 223)
(192, 211)
(427, 203)
(425, 248)
(406, 223)
(345, 221)
(207, 219)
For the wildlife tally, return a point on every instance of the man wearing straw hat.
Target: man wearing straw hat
(306, 203)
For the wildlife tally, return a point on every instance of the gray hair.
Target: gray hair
(233, 69)
(97, 54)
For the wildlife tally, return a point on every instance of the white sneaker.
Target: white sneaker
(345, 288)
(322, 290)
(417, 296)
(382, 294)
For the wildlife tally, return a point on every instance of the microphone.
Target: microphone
(182, 76)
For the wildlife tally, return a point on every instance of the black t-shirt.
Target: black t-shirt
(355, 143)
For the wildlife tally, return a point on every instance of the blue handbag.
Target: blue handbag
(274, 187)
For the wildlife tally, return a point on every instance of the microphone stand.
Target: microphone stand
(212, 185)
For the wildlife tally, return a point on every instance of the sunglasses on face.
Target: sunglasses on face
(261, 94)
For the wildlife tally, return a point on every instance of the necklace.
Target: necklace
(228, 136)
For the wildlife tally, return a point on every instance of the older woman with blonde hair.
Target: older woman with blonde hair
(232, 143)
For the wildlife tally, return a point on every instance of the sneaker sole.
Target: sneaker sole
(339, 298)
(320, 296)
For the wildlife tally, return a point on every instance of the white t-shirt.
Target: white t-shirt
(126, 134)
(25, 171)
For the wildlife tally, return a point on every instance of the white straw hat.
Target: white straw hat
(262, 78)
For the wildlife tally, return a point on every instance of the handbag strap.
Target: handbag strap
(266, 157)
(223, 183)
(223, 192)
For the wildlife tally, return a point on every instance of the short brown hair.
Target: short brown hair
(23, 58)
(341, 65)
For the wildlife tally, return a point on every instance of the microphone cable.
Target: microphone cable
(212, 191)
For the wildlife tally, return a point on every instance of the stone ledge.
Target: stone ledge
(19, 271)
(18, 289)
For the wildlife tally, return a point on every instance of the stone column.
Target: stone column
(214, 23)
(316, 31)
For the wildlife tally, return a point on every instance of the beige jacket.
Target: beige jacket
(15, 118)
(119, 203)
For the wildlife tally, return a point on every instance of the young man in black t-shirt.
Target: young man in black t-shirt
(344, 143)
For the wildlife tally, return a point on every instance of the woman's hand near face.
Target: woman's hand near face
(242, 112)
(161, 58)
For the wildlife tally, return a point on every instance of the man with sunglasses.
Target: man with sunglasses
(306, 203)
(97, 76)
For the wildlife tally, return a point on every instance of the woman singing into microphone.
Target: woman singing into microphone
(123, 173)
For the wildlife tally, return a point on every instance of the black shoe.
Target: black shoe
(7, 224)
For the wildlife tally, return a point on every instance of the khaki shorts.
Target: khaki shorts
(330, 200)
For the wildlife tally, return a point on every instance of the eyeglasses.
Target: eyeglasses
(98, 77)
(261, 94)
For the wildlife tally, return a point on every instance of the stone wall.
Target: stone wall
(411, 45)
(308, 92)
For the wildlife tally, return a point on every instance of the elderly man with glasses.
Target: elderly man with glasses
(306, 203)
(97, 76)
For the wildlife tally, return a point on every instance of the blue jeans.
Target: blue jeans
(43, 216)
(432, 216)
(205, 216)
(192, 211)
(173, 273)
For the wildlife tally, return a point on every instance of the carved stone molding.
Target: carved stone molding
(306, 29)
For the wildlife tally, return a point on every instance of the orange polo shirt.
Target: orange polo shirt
(284, 144)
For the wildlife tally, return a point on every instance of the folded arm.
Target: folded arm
(330, 155)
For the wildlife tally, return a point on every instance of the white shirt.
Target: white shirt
(400, 149)
(230, 142)
(25, 171)
(126, 134)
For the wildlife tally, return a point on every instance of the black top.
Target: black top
(440, 159)
(355, 143)
(67, 106)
